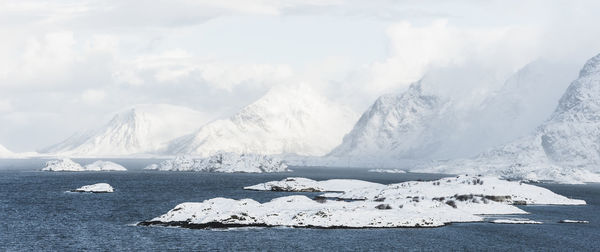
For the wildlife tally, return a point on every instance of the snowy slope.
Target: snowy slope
(285, 120)
(566, 148)
(393, 125)
(524, 102)
(422, 124)
(4, 152)
(139, 129)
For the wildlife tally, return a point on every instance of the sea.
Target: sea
(37, 213)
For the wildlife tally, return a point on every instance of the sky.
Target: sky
(67, 66)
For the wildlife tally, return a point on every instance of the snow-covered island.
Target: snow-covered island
(387, 170)
(515, 221)
(66, 164)
(407, 204)
(101, 165)
(309, 185)
(95, 188)
(574, 221)
(223, 162)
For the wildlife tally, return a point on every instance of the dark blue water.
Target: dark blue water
(37, 214)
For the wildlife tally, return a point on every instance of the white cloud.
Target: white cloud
(180, 66)
(5, 106)
(93, 96)
(415, 50)
(60, 59)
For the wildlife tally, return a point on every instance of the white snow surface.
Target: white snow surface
(297, 184)
(409, 204)
(5, 153)
(69, 165)
(285, 120)
(64, 164)
(564, 149)
(95, 188)
(101, 165)
(463, 185)
(515, 221)
(143, 128)
(223, 162)
(393, 126)
(575, 221)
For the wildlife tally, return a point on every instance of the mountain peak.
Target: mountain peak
(591, 66)
(4, 151)
(581, 101)
(390, 125)
(287, 119)
(137, 129)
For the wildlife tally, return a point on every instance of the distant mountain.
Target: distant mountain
(395, 126)
(4, 152)
(139, 129)
(285, 120)
(421, 124)
(565, 148)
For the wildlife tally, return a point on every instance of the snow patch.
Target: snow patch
(515, 221)
(95, 188)
(575, 221)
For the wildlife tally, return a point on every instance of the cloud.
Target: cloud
(415, 50)
(178, 66)
(93, 96)
(61, 60)
(5, 106)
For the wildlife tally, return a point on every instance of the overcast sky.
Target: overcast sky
(66, 66)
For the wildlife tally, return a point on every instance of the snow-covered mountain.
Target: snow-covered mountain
(4, 152)
(139, 129)
(565, 148)
(422, 124)
(285, 120)
(394, 125)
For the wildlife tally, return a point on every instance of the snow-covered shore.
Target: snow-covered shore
(309, 185)
(515, 221)
(95, 188)
(408, 204)
(223, 162)
(510, 192)
(65, 164)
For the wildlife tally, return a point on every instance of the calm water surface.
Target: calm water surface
(37, 214)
